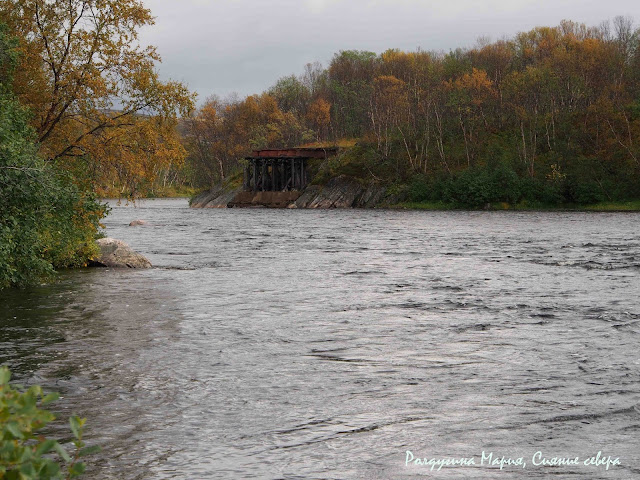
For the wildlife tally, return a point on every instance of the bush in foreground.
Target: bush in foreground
(25, 454)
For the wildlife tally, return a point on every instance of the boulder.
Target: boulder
(138, 222)
(117, 254)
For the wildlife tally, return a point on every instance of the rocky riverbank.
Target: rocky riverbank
(339, 192)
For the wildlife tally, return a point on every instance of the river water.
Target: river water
(307, 344)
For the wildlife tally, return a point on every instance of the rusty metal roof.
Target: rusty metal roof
(315, 152)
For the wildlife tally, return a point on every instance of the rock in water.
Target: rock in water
(138, 222)
(117, 254)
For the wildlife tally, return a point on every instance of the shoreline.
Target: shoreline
(631, 206)
(221, 198)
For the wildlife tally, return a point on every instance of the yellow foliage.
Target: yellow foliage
(319, 116)
(94, 92)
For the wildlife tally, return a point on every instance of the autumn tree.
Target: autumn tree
(388, 107)
(469, 95)
(319, 116)
(314, 79)
(291, 94)
(215, 140)
(93, 90)
(46, 222)
(349, 78)
(220, 134)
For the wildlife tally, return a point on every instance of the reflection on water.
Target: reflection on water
(324, 344)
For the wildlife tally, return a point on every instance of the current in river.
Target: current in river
(346, 344)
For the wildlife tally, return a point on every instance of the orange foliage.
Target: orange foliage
(94, 92)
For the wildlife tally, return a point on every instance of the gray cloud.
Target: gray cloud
(243, 46)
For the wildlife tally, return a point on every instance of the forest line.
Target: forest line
(551, 115)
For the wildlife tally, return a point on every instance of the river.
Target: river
(306, 344)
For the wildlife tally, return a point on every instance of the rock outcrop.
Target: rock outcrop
(264, 199)
(374, 196)
(138, 222)
(340, 192)
(117, 254)
(218, 197)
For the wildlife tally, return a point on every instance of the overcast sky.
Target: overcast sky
(244, 46)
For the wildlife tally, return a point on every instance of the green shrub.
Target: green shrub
(505, 184)
(419, 189)
(477, 187)
(585, 192)
(25, 454)
(539, 192)
(46, 220)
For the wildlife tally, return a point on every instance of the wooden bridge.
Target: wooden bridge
(281, 170)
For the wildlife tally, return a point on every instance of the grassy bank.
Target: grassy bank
(179, 191)
(630, 206)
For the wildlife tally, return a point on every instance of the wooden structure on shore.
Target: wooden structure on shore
(281, 170)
